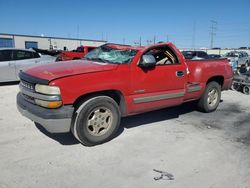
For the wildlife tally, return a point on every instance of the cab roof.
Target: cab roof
(129, 47)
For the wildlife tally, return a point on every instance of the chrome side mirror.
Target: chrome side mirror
(147, 61)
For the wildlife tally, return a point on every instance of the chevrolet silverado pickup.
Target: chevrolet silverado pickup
(89, 96)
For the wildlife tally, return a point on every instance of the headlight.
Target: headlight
(48, 104)
(49, 90)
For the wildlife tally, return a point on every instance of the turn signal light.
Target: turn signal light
(48, 104)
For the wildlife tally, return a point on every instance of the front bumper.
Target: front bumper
(53, 120)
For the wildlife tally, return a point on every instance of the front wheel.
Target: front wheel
(97, 121)
(210, 98)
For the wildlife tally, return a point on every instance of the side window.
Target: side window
(36, 55)
(80, 49)
(90, 49)
(163, 56)
(5, 55)
(20, 55)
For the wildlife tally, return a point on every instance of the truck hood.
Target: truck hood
(57, 70)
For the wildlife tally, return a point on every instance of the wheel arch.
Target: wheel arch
(116, 95)
(219, 79)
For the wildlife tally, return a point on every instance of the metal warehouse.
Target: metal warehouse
(44, 42)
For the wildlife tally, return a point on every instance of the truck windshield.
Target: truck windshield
(108, 54)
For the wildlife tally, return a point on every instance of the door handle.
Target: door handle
(180, 73)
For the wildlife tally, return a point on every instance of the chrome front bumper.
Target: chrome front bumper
(53, 120)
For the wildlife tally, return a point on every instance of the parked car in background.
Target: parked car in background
(14, 60)
(239, 58)
(79, 53)
(47, 52)
(195, 54)
(245, 54)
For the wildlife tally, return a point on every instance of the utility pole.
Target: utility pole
(140, 41)
(154, 39)
(213, 32)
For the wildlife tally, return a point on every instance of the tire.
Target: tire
(210, 98)
(246, 90)
(235, 86)
(96, 121)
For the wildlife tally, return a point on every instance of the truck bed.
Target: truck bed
(201, 69)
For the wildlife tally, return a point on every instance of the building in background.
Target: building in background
(44, 42)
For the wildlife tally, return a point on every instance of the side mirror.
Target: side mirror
(147, 61)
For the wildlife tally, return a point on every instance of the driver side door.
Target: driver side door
(160, 86)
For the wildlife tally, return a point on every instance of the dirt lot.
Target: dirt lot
(200, 150)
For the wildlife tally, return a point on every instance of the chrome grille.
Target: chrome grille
(27, 85)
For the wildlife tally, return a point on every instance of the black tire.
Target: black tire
(205, 104)
(246, 90)
(92, 116)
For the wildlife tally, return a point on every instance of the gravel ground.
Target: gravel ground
(200, 150)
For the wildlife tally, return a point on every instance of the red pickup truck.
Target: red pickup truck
(79, 53)
(88, 97)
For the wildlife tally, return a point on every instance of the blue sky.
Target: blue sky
(186, 23)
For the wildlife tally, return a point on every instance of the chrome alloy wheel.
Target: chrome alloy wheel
(99, 121)
(213, 96)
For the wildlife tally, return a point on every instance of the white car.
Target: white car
(241, 58)
(13, 60)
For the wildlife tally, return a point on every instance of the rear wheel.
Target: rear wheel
(97, 121)
(210, 98)
(246, 90)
